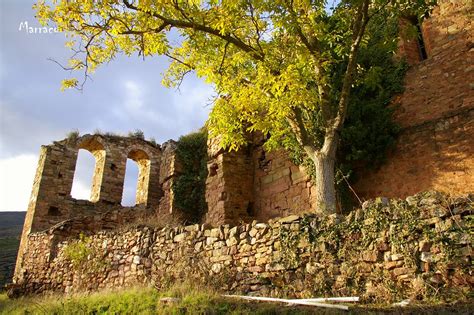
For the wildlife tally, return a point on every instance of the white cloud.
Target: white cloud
(130, 183)
(80, 190)
(134, 96)
(16, 181)
(194, 96)
(191, 106)
(134, 106)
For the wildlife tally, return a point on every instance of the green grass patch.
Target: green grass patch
(191, 300)
(133, 301)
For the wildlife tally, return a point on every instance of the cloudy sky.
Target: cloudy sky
(124, 95)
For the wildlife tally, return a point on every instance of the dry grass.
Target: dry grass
(191, 298)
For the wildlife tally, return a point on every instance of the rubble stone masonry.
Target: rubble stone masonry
(51, 200)
(388, 250)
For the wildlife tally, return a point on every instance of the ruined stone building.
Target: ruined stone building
(435, 151)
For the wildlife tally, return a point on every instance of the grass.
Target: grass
(191, 300)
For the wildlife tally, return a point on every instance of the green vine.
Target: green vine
(289, 248)
(190, 186)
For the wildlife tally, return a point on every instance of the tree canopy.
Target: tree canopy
(282, 67)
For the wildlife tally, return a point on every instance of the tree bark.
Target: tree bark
(324, 161)
(324, 183)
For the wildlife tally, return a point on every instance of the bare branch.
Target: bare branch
(70, 69)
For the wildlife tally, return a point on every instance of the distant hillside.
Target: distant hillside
(11, 224)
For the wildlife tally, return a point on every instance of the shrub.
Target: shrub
(72, 135)
(138, 134)
(78, 251)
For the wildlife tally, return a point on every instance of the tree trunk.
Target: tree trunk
(324, 183)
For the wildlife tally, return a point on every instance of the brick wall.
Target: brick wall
(169, 170)
(280, 187)
(229, 185)
(436, 155)
(436, 146)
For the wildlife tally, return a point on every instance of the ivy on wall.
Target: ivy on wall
(190, 186)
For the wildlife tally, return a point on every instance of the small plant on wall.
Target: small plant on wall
(78, 251)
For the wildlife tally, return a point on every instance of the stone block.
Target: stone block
(389, 265)
(403, 271)
(179, 238)
(396, 257)
(210, 240)
(371, 256)
(253, 232)
(232, 241)
(288, 219)
(216, 268)
(424, 246)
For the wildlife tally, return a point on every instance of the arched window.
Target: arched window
(137, 175)
(89, 169)
(130, 184)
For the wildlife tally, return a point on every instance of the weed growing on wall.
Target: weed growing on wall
(72, 135)
(137, 133)
(190, 186)
(78, 251)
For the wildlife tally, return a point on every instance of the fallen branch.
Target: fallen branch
(294, 301)
(332, 299)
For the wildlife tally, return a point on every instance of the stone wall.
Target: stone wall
(51, 201)
(435, 149)
(435, 155)
(436, 146)
(420, 247)
(229, 185)
(281, 188)
(169, 170)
